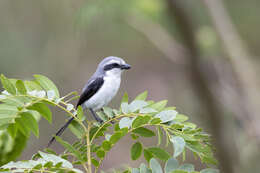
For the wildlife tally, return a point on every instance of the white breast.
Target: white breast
(105, 94)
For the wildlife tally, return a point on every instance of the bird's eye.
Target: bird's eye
(111, 66)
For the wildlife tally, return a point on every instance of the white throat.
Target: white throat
(114, 73)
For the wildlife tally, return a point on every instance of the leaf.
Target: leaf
(115, 137)
(70, 148)
(187, 167)
(144, 132)
(28, 122)
(125, 122)
(43, 110)
(125, 108)
(142, 96)
(159, 153)
(155, 166)
(94, 162)
(7, 84)
(160, 135)
(140, 120)
(166, 116)
(159, 105)
(155, 121)
(147, 155)
(70, 107)
(77, 129)
(209, 170)
(179, 171)
(136, 150)
(108, 111)
(101, 153)
(181, 118)
(55, 159)
(47, 84)
(137, 105)
(32, 85)
(80, 113)
(106, 145)
(171, 165)
(144, 169)
(135, 170)
(21, 87)
(147, 110)
(178, 144)
(125, 98)
(12, 130)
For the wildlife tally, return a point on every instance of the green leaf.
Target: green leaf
(171, 165)
(70, 148)
(55, 159)
(187, 167)
(21, 87)
(108, 111)
(137, 105)
(47, 84)
(7, 84)
(43, 110)
(12, 130)
(136, 151)
(147, 110)
(166, 116)
(147, 155)
(101, 153)
(28, 122)
(125, 108)
(106, 145)
(95, 162)
(134, 136)
(160, 135)
(32, 85)
(142, 96)
(178, 144)
(179, 171)
(158, 105)
(144, 132)
(155, 166)
(140, 120)
(159, 153)
(77, 129)
(80, 113)
(125, 98)
(181, 118)
(115, 137)
(125, 122)
(209, 170)
(155, 121)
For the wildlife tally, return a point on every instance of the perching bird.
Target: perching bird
(100, 88)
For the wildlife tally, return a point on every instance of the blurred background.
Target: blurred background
(203, 56)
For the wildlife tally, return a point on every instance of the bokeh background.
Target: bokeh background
(203, 56)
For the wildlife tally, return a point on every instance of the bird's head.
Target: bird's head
(113, 66)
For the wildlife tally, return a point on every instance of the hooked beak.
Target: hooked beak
(125, 66)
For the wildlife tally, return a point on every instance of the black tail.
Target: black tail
(60, 131)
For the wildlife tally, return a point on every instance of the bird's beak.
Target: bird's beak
(125, 66)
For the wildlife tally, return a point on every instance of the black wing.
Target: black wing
(90, 90)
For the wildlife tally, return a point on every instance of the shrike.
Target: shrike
(100, 88)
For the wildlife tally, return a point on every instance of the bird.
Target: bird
(100, 89)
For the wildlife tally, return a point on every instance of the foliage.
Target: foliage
(24, 102)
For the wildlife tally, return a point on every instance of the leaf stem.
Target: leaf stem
(88, 148)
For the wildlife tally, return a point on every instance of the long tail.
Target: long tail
(62, 129)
